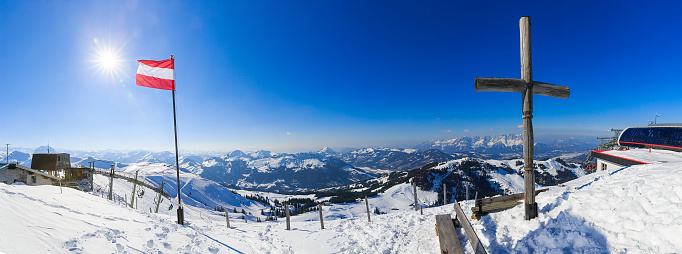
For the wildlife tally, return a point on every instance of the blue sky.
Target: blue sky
(300, 75)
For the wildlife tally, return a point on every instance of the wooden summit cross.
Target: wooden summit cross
(527, 87)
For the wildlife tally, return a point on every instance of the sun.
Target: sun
(108, 60)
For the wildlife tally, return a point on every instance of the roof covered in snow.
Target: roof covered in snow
(643, 156)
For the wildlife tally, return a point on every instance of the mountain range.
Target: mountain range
(478, 177)
(503, 146)
(326, 168)
(280, 172)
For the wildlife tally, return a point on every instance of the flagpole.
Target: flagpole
(181, 214)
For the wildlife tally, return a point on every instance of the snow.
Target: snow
(643, 155)
(507, 181)
(634, 209)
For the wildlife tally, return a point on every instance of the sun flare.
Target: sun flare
(107, 60)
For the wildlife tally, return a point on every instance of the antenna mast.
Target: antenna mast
(7, 153)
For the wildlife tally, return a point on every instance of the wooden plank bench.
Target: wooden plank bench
(495, 204)
(447, 236)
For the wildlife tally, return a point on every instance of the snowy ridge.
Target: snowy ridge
(281, 172)
(503, 146)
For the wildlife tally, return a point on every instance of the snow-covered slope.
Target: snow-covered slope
(633, 210)
(196, 191)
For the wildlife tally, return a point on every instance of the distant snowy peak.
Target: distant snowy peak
(238, 153)
(262, 154)
(476, 142)
(504, 146)
(327, 151)
(383, 149)
(45, 149)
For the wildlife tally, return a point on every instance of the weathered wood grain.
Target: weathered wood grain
(519, 86)
(497, 206)
(369, 219)
(414, 189)
(319, 208)
(469, 230)
(517, 196)
(286, 209)
(447, 236)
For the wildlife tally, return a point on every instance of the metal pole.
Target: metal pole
(91, 176)
(132, 196)
(111, 181)
(181, 214)
(159, 199)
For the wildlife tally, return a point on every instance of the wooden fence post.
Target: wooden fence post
(319, 207)
(60, 187)
(445, 195)
(467, 192)
(227, 218)
(367, 205)
(288, 219)
(414, 189)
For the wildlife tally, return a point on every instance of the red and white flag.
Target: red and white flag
(156, 74)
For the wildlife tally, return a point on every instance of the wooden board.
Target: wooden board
(519, 85)
(498, 206)
(471, 234)
(517, 196)
(447, 236)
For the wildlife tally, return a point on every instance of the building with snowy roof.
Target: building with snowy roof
(13, 173)
(650, 144)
